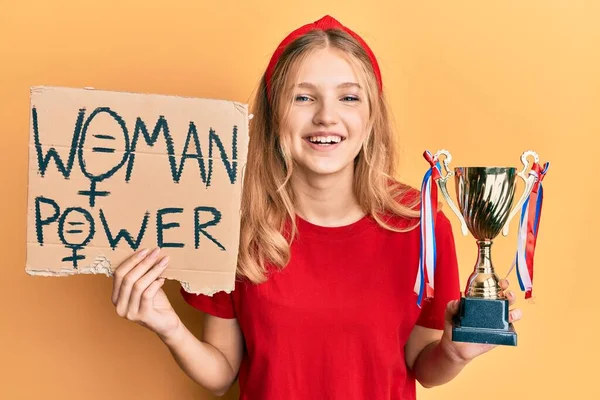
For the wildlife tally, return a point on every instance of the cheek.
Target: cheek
(299, 116)
(357, 125)
(294, 125)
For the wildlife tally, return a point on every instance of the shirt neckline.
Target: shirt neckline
(306, 228)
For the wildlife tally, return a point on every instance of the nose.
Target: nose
(325, 113)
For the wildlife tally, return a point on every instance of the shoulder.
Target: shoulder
(407, 216)
(403, 212)
(406, 195)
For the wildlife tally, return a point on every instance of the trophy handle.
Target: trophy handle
(442, 184)
(529, 182)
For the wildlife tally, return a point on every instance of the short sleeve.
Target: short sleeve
(219, 304)
(447, 284)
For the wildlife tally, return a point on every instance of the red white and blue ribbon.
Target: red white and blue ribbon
(424, 284)
(528, 230)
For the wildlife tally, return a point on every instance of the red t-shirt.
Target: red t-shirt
(334, 322)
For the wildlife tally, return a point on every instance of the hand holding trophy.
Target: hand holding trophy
(485, 196)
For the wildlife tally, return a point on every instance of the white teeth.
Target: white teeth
(325, 139)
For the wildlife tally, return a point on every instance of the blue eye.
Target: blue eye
(350, 98)
(302, 98)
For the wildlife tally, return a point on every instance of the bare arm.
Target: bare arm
(214, 361)
(429, 357)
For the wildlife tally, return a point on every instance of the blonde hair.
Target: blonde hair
(268, 200)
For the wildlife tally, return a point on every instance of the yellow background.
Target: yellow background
(483, 79)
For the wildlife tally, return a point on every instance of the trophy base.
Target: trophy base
(483, 321)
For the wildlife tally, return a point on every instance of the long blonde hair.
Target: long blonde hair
(268, 199)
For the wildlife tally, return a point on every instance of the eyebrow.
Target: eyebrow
(340, 86)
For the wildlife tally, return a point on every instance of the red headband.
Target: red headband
(324, 23)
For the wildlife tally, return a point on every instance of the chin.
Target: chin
(326, 169)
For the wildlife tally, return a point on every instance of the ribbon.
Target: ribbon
(528, 230)
(424, 283)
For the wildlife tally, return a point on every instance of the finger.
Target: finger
(150, 293)
(504, 283)
(515, 315)
(451, 310)
(129, 279)
(132, 276)
(123, 269)
(144, 282)
(511, 297)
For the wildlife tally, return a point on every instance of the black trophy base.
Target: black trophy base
(483, 321)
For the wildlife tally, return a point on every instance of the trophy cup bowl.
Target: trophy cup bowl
(484, 196)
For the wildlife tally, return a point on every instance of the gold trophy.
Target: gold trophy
(485, 196)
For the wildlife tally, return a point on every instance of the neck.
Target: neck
(326, 200)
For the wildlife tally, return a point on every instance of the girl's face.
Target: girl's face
(327, 123)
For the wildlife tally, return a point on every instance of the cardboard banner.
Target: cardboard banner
(113, 172)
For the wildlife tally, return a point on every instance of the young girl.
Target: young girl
(324, 305)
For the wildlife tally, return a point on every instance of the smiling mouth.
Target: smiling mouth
(325, 140)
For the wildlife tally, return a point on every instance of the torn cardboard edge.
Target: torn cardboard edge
(101, 266)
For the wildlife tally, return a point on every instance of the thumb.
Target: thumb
(451, 310)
